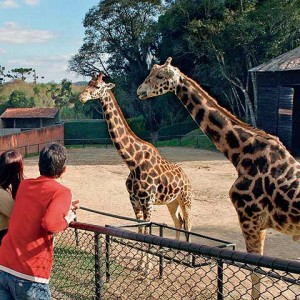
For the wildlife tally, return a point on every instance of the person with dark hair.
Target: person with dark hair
(11, 174)
(43, 207)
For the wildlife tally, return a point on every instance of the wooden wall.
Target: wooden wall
(32, 141)
(275, 98)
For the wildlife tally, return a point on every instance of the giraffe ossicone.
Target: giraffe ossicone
(266, 193)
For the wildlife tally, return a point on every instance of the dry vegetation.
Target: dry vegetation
(37, 91)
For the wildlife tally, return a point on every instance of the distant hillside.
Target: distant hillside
(39, 91)
(80, 83)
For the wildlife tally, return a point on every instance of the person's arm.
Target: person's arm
(6, 203)
(59, 213)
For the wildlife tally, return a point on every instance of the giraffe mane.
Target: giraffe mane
(111, 94)
(227, 113)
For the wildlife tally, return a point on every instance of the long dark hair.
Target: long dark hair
(11, 171)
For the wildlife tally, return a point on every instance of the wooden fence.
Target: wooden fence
(31, 141)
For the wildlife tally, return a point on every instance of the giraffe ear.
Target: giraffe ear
(99, 77)
(110, 85)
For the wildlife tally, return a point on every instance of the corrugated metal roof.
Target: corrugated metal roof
(284, 62)
(35, 112)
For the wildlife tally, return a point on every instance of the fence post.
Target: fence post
(220, 279)
(77, 241)
(107, 258)
(161, 257)
(98, 270)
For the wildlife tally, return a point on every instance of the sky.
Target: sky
(43, 35)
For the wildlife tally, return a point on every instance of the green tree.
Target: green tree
(62, 94)
(21, 72)
(224, 39)
(215, 42)
(36, 90)
(120, 41)
(118, 38)
(18, 99)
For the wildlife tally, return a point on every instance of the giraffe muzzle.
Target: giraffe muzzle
(141, 94)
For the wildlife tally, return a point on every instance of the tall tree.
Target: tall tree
(120, 41)
(21, 72)
(225, 39)
(62, 94)
(118, 38)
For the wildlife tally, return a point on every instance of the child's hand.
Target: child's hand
(75, 205)
(70, 216)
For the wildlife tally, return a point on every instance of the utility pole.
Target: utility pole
(35, 77)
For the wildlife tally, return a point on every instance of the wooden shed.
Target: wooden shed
(278, 98)
(29, 118)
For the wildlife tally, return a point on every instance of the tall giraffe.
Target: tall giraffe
(152, 180)
(266, 193)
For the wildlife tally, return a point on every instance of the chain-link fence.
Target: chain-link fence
(95, 262)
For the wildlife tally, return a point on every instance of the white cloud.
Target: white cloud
(12, 33)
(3, 51)
(32, 2)
(8, 4)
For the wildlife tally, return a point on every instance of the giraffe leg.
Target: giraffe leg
(185, 205)
(138, 211)
(255, 244)
(145, 263)
(173, 208)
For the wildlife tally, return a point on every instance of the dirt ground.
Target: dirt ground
(97, 177)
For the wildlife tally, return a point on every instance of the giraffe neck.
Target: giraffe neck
(231, 136)
(128, 145)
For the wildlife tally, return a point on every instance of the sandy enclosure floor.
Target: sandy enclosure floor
(97, 177)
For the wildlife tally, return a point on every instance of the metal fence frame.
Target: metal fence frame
(154, 140)
(222, 255)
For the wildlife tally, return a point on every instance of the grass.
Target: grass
(73, 273)
(194, 139)
(78, 146)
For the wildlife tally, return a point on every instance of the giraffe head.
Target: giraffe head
(96, 89)
(162, 79)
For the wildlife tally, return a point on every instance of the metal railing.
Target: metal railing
(177, 140)
(117, 263)
(32, 149)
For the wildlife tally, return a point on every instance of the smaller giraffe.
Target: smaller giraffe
(152, 180)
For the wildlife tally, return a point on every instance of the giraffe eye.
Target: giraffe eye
(159, 77)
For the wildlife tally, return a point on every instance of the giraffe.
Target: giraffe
(152, 180)
(266, 192)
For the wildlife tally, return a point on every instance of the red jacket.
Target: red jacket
(40, 208)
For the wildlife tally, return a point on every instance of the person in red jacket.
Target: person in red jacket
(42, 208)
